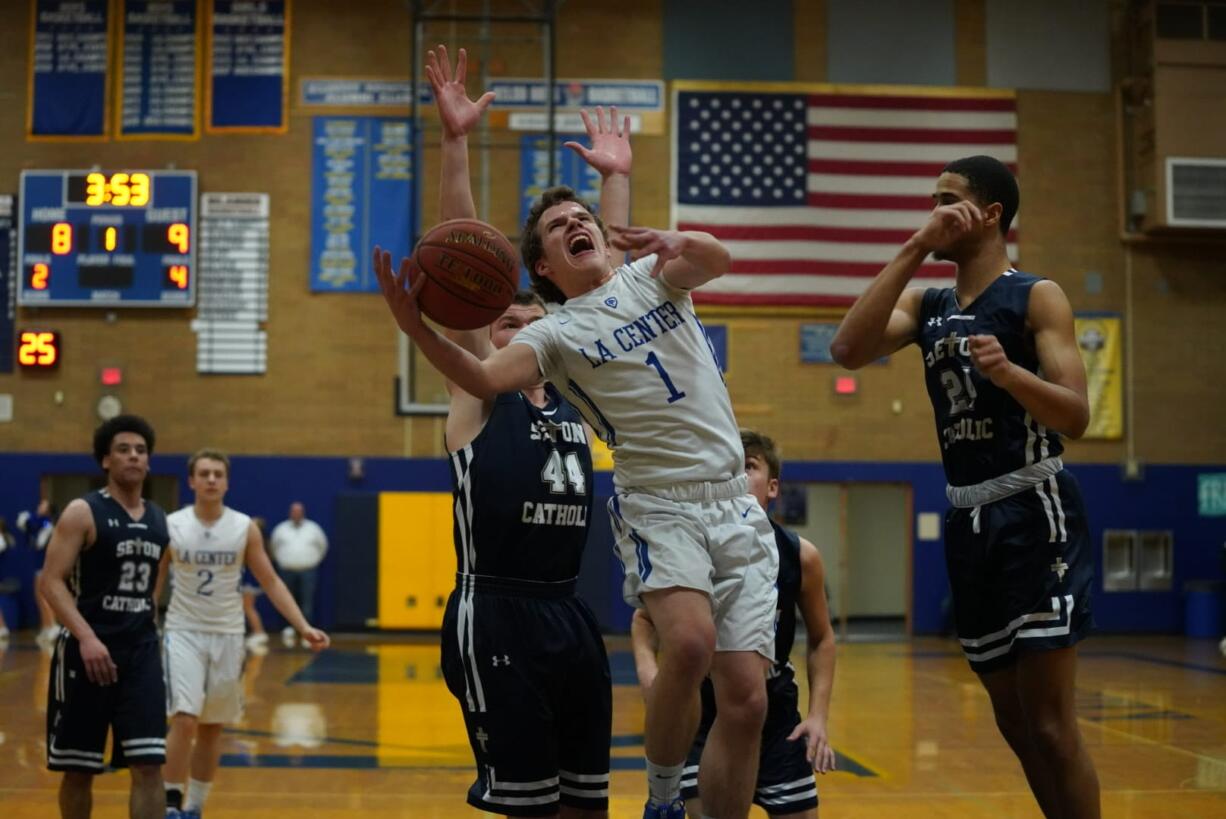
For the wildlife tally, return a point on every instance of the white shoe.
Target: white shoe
(258, 639)
(48, 635)
(288, 637)
(4, 635)
(1222, 646)
(257, 649)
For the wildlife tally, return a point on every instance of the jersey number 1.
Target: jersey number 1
(673, 395)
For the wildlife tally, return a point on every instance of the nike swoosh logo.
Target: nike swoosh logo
(563, 321)
(745, 514)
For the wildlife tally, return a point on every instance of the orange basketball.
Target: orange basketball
(472, 273)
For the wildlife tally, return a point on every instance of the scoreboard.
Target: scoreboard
(124, 238)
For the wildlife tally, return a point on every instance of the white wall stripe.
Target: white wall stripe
(902, 118)
(906, 151)
(875, 252)
(804, 285)
(872, 185)
(806, 217)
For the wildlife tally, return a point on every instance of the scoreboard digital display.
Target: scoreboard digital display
(107, 238)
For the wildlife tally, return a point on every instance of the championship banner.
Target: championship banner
(158, 53)
(1100, 339)
(69, 54)
(248, 67)
(8, 284)
(362, 194)
(814, 188)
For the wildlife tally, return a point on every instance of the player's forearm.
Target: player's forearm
(456, 364)
(455, 187)
(284, 603)
(1052, 405)
(705, 257)
(863, 328)
(615, 199)
(56, 592)
(820, 669)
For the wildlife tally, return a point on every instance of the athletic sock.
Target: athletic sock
(197, 792)
(664, 782)
(174, 795)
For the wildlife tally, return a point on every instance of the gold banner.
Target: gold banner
(1100, 339)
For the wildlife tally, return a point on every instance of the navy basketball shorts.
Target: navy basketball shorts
(532, 678)
(1020, 570)
(786, 783)
(80, 713)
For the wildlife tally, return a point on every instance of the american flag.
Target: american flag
(813, 193)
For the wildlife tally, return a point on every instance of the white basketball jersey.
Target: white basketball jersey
(632, 356)
(206, 569)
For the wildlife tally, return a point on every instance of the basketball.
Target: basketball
(472, 272)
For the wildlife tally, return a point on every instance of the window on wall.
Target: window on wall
(1191, 20)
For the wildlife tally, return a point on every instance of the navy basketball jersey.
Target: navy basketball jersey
(788, 584)
(523, 492)
(983, 431)
(113, 578)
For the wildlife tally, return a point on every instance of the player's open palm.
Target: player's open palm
(817, 744)
(640, 242)
(456, 111)
(949, 223)
(316, 639)
(401, 298)
(99, 667)
(610, 152)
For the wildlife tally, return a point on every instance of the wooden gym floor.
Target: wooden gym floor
(369, 728)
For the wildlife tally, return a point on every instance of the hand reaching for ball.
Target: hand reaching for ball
(400, 291)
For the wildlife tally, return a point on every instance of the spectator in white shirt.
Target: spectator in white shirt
(298, 547)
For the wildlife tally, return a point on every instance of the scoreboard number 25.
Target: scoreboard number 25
(38, 349)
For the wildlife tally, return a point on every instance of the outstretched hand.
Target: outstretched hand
(401, 300)
(456, 111)
(641, 241)
(610, 152)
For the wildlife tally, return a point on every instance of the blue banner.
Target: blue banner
(248, 65)
(68, 62)
(157, 88)
(8, 290)
(362, 194)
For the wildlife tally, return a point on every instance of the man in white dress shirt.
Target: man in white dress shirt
(298, 547)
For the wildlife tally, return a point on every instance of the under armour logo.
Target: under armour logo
(935, 321)
(505, 659)
(611, 301)
(482, 738)
(1059, 567)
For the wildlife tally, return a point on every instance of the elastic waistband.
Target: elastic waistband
(515, 587)
(698, 491)
(994, 489)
